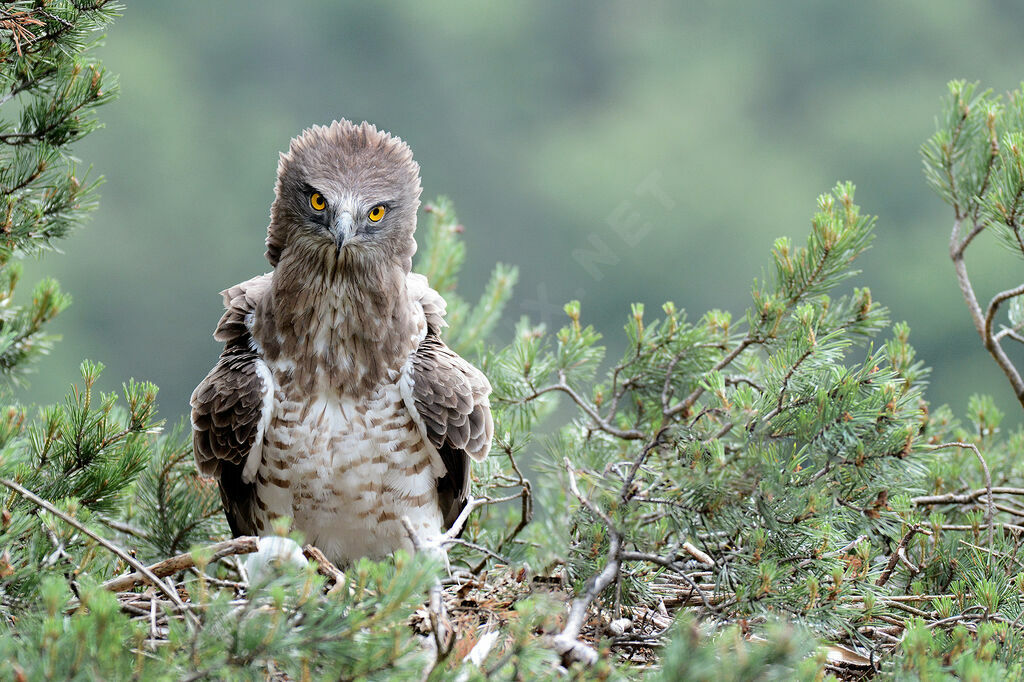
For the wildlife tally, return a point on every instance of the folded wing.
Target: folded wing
(451, 400)
(231, 408)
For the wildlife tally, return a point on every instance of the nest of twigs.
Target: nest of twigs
(466, 616)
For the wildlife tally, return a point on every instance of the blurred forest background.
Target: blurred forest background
(673, 143)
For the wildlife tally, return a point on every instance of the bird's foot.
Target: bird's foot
(435, 546)
(274, 551)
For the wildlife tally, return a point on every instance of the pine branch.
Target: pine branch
(106, 544)
(983, 321)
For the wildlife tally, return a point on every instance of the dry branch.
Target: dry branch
(183, 562)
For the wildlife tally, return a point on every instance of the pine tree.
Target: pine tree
(85, 450)
(50, 93)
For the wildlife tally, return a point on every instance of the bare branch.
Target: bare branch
(601, 424)
(994, 304)
(471, 505)
(567, 641)
(982, 321)
(991, 511)
(963, 498)
(894, 558)
(324, 565)
(182, 562)
(1012, 333)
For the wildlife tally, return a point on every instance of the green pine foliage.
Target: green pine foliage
(49, 90)
(440, 260)
(784, 447)
(794, 450)
(730, 656)
(287, 627)
(174, 508)
(83, 456)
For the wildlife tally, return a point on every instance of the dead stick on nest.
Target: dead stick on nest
(324, 565)
(107, 544)
(182, 562)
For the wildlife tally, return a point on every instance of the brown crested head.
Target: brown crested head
(348, 188)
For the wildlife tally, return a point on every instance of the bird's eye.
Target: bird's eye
(317, 201)
(376, 213)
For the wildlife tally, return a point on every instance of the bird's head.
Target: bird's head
(348, 188)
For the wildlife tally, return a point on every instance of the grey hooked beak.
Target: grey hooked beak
(344, 229)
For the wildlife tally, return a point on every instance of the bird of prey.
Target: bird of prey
(335, 402)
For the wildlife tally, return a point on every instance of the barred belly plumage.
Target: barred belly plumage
(347, 470)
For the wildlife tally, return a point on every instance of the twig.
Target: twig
(737, 380)
(417, 543)
(626, 493)
(107, 544)
(526, 510)
(666, 389)
(1011, 332)
(895, 556)
(601, 424)
(671, 565)
(567, 641)
(324, 565)
(1012, 511)
(969, 528)
(993, 307)
(991, 511)
(957, 618)
(121, 527)
(444, 637)
(478, 548)
(902, 554)
(785, 385)
(847, 547)
(182, 562)
(698, 554)
(963, 498)
(981, 320)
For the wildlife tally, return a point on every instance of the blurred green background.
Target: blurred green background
(614, 151)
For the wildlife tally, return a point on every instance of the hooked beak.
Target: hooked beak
(344, 229)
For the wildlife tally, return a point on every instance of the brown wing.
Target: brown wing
(231, 408)
(451, 398)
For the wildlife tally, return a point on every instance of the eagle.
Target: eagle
(335, 401)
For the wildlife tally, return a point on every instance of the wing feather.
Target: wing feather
(451, 399)
(231, 408)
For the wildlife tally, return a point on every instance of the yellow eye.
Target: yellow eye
(376, 213)
(317, 201)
